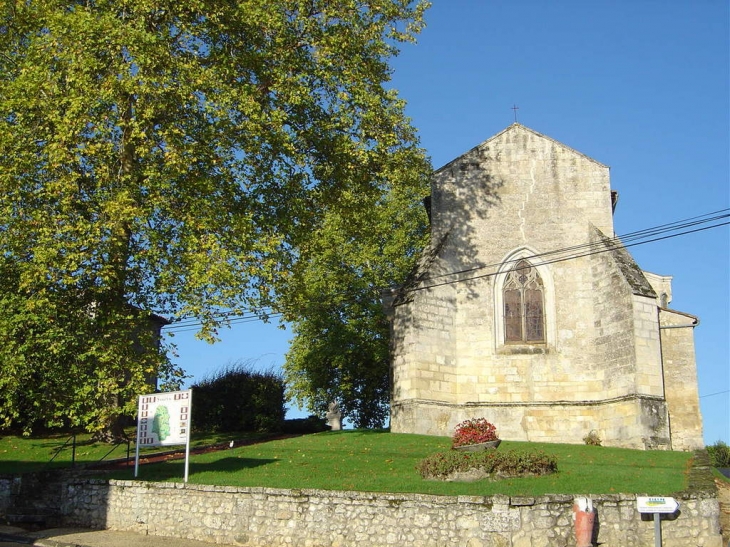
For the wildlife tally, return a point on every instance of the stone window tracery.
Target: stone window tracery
(524, 317)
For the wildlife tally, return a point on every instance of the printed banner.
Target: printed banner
(163, 419)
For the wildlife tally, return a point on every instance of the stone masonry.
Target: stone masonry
(267, 517)
(608, 358)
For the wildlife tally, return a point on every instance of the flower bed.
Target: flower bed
(476, 431)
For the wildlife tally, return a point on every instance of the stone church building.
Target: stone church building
(527, 311)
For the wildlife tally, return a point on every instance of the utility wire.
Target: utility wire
(618, 240)
(242, 319)
(595, 248)
(631, 239)
(713, 394)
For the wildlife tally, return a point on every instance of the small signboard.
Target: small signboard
(163, 419)
(656, 504)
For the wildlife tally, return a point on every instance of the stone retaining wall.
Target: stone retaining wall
(267, 517)
(307, 518)
(6, 489)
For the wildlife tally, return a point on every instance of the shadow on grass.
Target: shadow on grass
(175, 469)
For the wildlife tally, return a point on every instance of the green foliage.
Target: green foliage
(187, 159)
(238, 398)
(719, 454)
(64, 363)
(592, 439)
(340, 351)
(510, 463)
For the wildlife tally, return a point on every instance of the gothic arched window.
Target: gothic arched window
(524, 316)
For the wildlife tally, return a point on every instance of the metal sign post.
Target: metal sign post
(657, 505)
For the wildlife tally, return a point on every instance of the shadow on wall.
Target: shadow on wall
(463, 196)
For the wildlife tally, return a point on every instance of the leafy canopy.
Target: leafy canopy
(178, 158)
(340, 351)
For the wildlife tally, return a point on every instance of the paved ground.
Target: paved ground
(66, 537)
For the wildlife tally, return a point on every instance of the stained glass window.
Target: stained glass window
(524, 319)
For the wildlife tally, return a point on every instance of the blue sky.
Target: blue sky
(642, 86)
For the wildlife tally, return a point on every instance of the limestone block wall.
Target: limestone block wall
(680, 371)
(662, 285)
(520, 195)
(649, 375)
(267, 517)
(422, 346)
(630, 421)
(273, 517)
(519, 184)
(613, 330)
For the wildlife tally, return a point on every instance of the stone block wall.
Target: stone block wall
(6, 491)
(627, 421)
(423, 347)
(649, 378)
(274, 517)
(268, 517)
(522, 195)
(680, 371)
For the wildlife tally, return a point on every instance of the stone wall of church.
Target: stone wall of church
(680, 373)
(518, 188)
(522, 195)
(422, 346)
(613, 336)
(627, 422)
(649, 376)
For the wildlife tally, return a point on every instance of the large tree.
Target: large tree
(177, 157)
(340, 351)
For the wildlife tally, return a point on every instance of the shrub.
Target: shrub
(592, 439)
(719, 454)
(474, 431)
(310, 424)
(237, 398)
(509, 463)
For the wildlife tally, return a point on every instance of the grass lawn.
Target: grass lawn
(23, 454)
(385, 462)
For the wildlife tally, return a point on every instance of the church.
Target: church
(525, 309)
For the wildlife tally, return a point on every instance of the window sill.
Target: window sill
(523, 349)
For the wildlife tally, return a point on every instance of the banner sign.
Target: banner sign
(163, 419)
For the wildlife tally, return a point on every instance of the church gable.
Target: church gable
(503, 318)
(517, 188)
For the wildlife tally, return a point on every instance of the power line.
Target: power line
(631, 239)
(618, 240)
(593, 248)
(713, 394)
(243, 319)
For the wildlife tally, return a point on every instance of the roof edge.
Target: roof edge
(511, 127)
